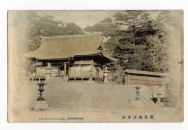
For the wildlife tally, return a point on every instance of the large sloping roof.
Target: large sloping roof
(138, 72)
(63, 47)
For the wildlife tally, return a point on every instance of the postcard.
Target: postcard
(100, 66)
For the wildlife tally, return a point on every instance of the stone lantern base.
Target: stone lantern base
(40, 105)
(90, 81)
(159, 103)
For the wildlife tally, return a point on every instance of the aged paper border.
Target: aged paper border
(18, 93)
(185, 84)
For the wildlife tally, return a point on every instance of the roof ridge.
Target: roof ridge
(145, 72)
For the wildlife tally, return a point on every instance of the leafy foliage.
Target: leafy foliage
(47, 26)
(137, 38)
(143, 43)
(106, 27)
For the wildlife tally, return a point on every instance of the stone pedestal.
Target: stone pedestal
(90, 81)
(159, 103)
(40, 105)
(48, 71)
(105, 73)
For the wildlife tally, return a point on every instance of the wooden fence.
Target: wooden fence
(142, 80)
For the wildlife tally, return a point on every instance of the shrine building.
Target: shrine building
(71, 56)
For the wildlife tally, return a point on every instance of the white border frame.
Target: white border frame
(83, 5)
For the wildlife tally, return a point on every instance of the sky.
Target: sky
(85, 18)
(81, 18)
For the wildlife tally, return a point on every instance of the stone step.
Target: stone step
(85, 95)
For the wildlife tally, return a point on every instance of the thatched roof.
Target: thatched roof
(63, 47)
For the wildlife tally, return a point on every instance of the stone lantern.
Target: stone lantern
(159, 103)
(105, 73)
(48, 71)
(90, 77)
(41, 89)
(137, 92)
(40, 104)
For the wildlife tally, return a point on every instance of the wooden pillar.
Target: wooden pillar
(139, 81)
(162, 82)
(127, 79)
(57, 71)
(36, 70)
(39, 76)
(92, 65)
(150, 81)
(68, 66)
(74, 72)
(92, 68)
(65, 69)
(81, 70)
(36, 65)
(120, 80)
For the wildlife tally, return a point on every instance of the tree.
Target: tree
(106, 27)
(142, 42)
(47, 26)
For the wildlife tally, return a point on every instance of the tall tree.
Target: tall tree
(142, 42)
